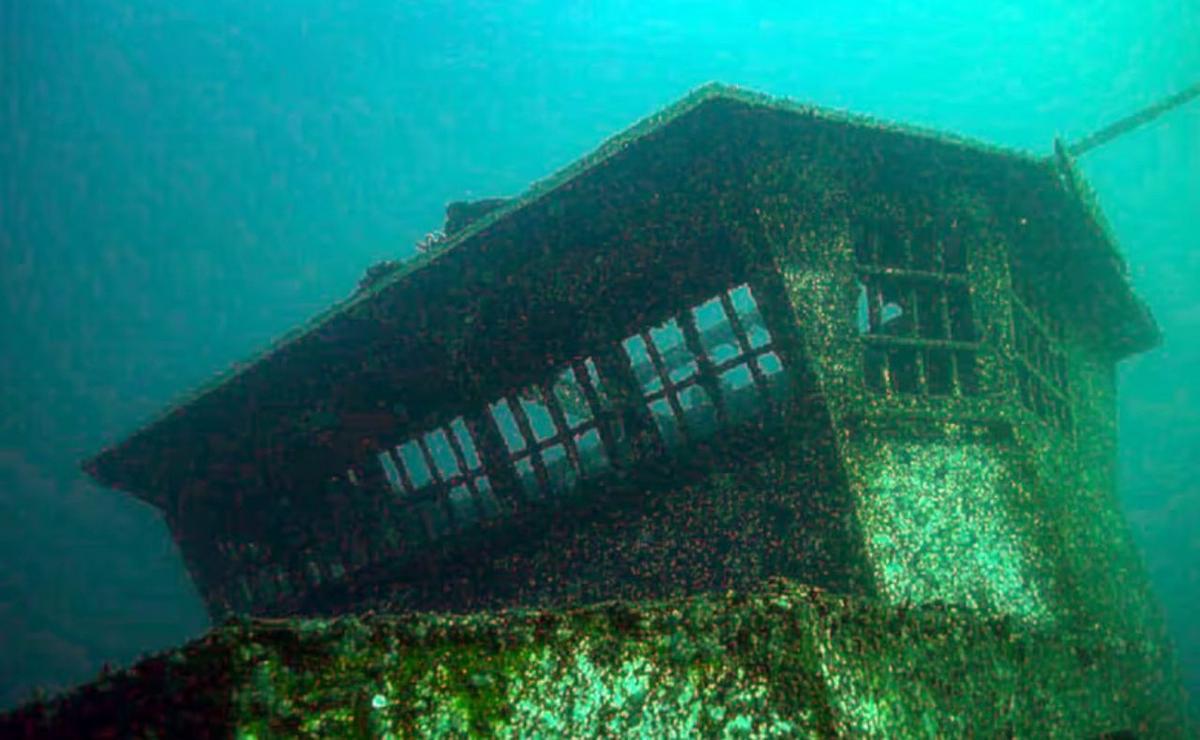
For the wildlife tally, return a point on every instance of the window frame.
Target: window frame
(961, 356)
(708, 373)
(1040, 388)
(565, 435)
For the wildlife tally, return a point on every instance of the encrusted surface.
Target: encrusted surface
(782, 661)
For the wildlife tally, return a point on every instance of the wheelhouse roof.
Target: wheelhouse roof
(123, 465)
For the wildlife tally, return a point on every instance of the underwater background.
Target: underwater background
(186, 181)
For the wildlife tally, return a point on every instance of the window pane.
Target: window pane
(968, 381)
(893, 251)
(769, 364)
(924, 247)
(639, 361)
(466, 443)
(738, 392)
(771, 368)
(749, 317)
(716, 333)
(937, 372)
(507, 424)
(540, 421)
(903, 364)
(931, 311)
(892, 312)
(591, 452)
(571, 400)
(390, 472)
(414, 464)
(874, 361)
(594, 378)
(664, 419)
(443, 456)
(698, 410)
(737, 378)
(559, 471)
(461, 505)
(528, 476)
(958, 303)
(954, 252)
(485, 497)
(864, 243)
(676, 357)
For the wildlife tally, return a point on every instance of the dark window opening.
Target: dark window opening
(938, 372)
(442, 468)
(914, 310)
(905, 377)
(1038, 354)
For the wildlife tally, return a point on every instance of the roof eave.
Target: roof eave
(1139, 330)
(99, 469)
(102, 463)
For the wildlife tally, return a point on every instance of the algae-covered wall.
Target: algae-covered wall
(760, 498)
(638, 239)
(942, 510)
(965, 497)
(1103, 585)
(779, 661)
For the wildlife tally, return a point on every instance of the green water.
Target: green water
(185, 183)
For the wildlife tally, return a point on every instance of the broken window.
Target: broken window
(914, 310)
(1041, 363)
(732, 355)
(552, 432)
(441, 467)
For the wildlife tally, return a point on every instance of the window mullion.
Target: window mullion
(735, 322)
(459, 457)
(563, 429)
(668, 388)
(429, 462)
(535, 455)
(496, 459)
(707, 370)
(393, 454)
(918, 352)
(468, 476)
(602, 416)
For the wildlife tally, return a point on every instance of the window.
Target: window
(730, 353)
(742, 358)
(914, 311)
(442, 463)
(551, 432)
(1039, 359)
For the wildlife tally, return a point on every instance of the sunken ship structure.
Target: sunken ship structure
(748, 354)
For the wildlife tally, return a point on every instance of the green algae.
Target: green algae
(780, 661)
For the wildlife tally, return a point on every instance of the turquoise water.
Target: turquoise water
(184, 184)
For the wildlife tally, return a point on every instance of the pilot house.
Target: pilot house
(745, 338)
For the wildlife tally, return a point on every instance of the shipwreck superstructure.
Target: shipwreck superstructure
(744, 340)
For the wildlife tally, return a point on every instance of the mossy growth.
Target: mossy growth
(782, 660)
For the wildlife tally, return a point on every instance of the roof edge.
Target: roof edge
(1144, 334)
(540, 188)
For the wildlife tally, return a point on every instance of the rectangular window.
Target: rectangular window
(442, 472)
(914, 310)
(730, 354)
(552, 434)
(415, 465)
(1039, 357)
